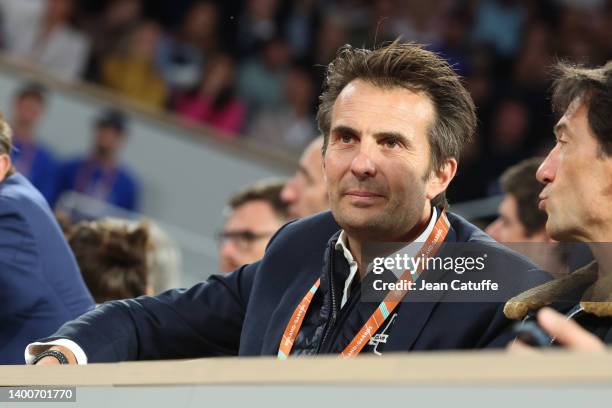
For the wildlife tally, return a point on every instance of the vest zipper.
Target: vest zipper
(334, 313)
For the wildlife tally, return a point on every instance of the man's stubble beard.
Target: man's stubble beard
(391, 224)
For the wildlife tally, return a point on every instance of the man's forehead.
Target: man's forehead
(575, 109)
(254, 212)
(364, 100)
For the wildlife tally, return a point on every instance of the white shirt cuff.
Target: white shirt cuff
(36, 348)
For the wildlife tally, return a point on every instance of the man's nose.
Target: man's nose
(289, 193)
(548, 169)
(494, 229)
(227, 252)
(363, 165)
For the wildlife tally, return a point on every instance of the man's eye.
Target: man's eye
(391, 143)
(346, 138)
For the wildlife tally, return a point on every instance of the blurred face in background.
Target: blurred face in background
(578, 186)
(120, 12)
(27, 111)
(200, 22)
(246, 233)
(306, 192)
(108, 141)
(510, 125)
(507, 227)
(59, 10)
(219, 75)
(144, 41)
(299, 90)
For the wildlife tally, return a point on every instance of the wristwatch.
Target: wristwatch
(53, 353)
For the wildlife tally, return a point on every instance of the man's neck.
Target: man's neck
(603, 256)
(103, 160)
(355, 245)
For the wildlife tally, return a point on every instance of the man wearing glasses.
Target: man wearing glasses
(253, 215)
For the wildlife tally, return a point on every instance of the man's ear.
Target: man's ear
(441, 178)
(5, 165)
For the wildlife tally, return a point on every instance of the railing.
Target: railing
(459, 379)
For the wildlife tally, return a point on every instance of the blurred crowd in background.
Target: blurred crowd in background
(253, 68)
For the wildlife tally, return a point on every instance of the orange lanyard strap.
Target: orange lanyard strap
(386, 307)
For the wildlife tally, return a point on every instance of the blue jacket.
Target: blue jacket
(42, 171)
(246, 312)
(40, 284)
(123, 192)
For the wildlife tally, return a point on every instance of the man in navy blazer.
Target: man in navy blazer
(40, 284)
(394, 121)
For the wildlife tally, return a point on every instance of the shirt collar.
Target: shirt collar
(342, 243)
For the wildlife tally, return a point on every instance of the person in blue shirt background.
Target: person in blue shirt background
(31, 157)
(100, 175)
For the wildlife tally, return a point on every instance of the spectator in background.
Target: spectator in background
(258, 24)
(292, 126)
(261, 80)
(132, 70)
(416, 21)
(508, 137)
(31, 157)
(101, 175)
(253, 216)
(303, 20)
(500, 23)
(520, 219)
(214, 102)
(521, 225)
(40, 284)
(181, 57)
(331, 36)
(108, 29)
(306, 193)
(113, 257)
(40, 32)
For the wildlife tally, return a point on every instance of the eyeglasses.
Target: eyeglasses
(242, 239)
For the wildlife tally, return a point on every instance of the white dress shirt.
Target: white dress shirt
(409, 250)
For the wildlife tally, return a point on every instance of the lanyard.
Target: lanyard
(102, 188)
(384, 309)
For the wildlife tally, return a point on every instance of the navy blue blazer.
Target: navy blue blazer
(41, 286)
(245, 312)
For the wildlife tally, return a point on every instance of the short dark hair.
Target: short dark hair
(267, 190)
(594, 87)
(112, 118)
(410, 66)
(113, 258)
(520, 182)
(32, 90)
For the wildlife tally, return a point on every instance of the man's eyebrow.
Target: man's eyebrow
(378, 135)
(344, 129)
(393, 135)
(559, 128)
